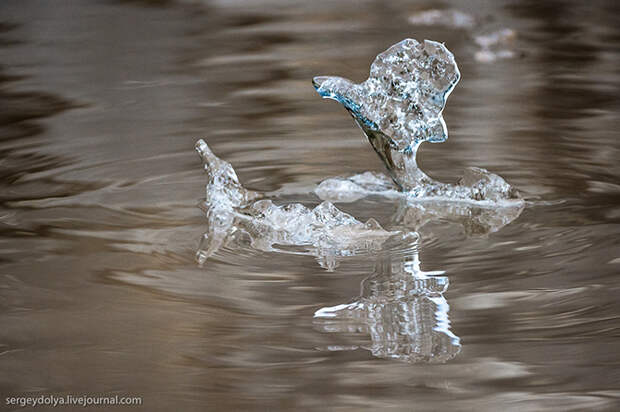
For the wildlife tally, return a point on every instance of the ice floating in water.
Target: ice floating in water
(415, 211)
(401, 308)
(350, 189)
(495, 45)
(476, 186)
(443, 17)
(223, 189)
(325, 231)
(474, 219)
(400, 106)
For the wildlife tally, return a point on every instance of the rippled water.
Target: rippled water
(101, 103)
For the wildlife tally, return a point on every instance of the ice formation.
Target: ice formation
(400, 106)
(324, 231)
(415, 210)
(401, 309)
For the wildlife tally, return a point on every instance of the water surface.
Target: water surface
(100, 105)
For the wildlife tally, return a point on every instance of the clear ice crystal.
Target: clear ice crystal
(403, 311)
(327, 232)
(324, 228)
(400, 106)
(223, 189)
(405, 94)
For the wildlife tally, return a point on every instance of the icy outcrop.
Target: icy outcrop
(404, 96)
(400, 106)
(223, 189)
(401, 313)
(324, 231)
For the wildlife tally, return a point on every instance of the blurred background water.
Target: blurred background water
(100, 105)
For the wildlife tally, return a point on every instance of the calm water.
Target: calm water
(100, 293)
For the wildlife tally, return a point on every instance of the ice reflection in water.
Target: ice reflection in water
(401, 308)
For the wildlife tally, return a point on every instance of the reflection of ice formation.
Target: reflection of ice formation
(401, 308)
(325, 231)
(400, 106)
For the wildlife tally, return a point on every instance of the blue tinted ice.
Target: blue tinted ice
(404, 96)
(400, 106)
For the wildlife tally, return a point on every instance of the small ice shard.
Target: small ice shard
(402, 309)
(495, 45)
(324, 231)
(223, 188)
(400, 106)
(443, 17)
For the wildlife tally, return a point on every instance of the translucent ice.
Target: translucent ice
(223, 189)
(477, 185)
(443, 17)
(401, 309)
(495, 45)
(232, 211)
(458, 203)
(404, 96)
(400, 106)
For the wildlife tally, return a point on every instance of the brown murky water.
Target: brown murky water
(100, 293)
